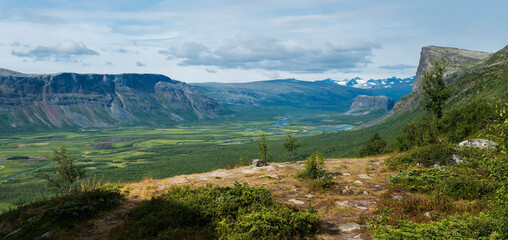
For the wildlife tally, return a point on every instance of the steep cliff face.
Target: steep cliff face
(484, 79)
(458, 62)
(366, 104)
(458, 59)
(85, 100)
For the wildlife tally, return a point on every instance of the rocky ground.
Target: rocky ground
(358, 185)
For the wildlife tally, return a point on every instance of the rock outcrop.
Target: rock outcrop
(456, 58)
(98, 100)
(364, 104)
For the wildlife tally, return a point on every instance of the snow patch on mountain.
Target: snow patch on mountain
(357, 82)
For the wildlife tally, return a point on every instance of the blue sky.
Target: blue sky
(238, 41)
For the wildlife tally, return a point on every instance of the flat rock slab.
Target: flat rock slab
(343, 204)
(346, 174)
(297, 202)
(357, 182)
(363, 176)
(361, 207)
(348, 227)
(274, 176)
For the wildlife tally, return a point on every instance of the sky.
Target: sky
(241, 41)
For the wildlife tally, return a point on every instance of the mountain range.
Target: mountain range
(358, 82)
(283, 93)
(42, 101)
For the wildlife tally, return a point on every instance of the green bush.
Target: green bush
(62, 213)
(238, 212)
(459, 183)
(459, 123)
(427, 156)
(482, 226)
(389, 211)
(416, 134)
(314, 171)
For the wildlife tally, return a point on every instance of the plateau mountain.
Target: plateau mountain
(366, 104)
(471, 74)
(42, 101)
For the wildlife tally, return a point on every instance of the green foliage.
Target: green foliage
(417, 133)
(435, 91)
(459, 123)
(455, 183)
(67, 173)
(389, 211)
(238, 212)
(427, 156)
(314, 171)
(482, 226)
(60, 213)
(375, 145)
(498, 129)
(263, 149)
(291, 144)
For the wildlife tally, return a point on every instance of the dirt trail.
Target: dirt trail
(359, 184)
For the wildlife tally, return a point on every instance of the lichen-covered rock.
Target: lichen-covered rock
(478, 143)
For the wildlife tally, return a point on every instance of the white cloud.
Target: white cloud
(273, 54)
(63, 51)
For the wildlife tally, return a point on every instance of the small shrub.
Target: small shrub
(459, 123)
(416, 134)
(63, 213)
(461, 183)
(427, 156)
(314, 171)
(238, 212)
(390, 211)
(481, 226)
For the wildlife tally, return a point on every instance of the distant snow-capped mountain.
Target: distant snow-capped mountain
(386, 83)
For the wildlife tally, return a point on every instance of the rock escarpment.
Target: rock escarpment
(458, 62)
(457, 59)
(98, 100)
(364, 104)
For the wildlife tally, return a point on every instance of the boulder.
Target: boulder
(397, 197)
(478, 143)
(456, 158)
(348, 227)
(258, 163)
